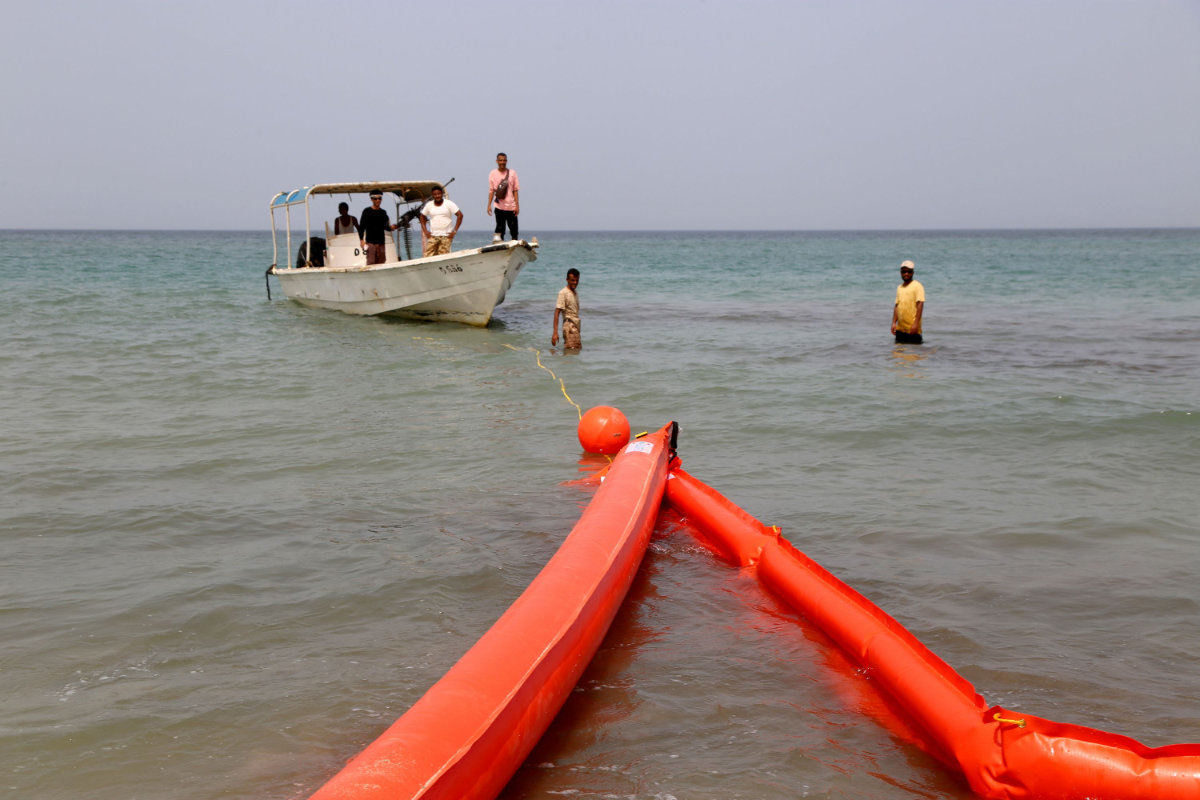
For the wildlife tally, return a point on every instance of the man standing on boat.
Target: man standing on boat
(373, 224)
(436, 223)
(504, 188)
(909, 308)
(344, 223)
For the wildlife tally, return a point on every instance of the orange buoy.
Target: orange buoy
(603, 429)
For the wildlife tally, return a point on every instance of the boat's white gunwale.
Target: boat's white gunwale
(413, 262)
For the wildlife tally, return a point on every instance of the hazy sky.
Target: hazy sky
(741, 114)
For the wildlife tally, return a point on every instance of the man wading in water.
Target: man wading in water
(910, 306)
(567, 305)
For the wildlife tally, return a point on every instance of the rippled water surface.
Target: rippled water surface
(241, 537)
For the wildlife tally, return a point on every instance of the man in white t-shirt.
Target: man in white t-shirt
(440, 221)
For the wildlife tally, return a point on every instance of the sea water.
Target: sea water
(241, 537)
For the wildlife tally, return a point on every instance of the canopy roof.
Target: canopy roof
(408, 191)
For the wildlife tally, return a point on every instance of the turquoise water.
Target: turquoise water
(241, 537)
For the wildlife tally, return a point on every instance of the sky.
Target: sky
(649, 115)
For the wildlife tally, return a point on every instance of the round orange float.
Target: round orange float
(603, 429)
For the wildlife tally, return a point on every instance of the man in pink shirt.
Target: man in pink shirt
(504, 189)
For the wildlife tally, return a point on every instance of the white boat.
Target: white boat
(331, 271)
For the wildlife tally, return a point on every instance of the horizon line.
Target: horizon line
(485, 231)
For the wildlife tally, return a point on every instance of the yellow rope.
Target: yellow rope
(1020, 723)
(537, 354)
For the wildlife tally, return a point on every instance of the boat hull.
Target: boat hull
(463, 286)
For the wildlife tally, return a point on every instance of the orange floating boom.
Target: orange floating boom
(1003, 754)
(470, 732)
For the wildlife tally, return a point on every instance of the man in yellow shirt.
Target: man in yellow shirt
(909, 308)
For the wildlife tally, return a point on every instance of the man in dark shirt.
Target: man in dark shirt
(373, 223)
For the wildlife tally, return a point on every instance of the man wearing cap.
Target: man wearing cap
(373, 224)
(440, 221)
(910, 306)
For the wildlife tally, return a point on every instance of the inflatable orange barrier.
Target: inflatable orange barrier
(1002, 753)
(470, 732)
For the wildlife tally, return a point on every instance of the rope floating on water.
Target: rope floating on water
(537, 354)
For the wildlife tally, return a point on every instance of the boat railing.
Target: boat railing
(410, 193)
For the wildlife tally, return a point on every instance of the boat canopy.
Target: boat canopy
(404, 191)
(407, 191)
